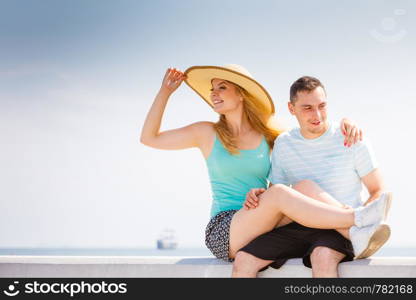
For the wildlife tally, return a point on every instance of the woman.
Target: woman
(236, 150)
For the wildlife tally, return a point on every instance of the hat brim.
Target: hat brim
(199, 79)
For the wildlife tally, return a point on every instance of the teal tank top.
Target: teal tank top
(232, 176)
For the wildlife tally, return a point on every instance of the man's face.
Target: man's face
(310, 110)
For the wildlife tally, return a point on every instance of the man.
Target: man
(310, 159)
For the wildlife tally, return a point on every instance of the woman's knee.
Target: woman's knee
(277, 190)
(272, 196)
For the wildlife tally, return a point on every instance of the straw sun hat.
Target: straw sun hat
(199, 79)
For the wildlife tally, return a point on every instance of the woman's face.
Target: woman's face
(225, 96)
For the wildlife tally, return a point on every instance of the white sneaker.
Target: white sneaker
(367, 240)
(375, 212)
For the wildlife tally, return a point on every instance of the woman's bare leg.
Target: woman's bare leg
(279, 201)
(313, 190)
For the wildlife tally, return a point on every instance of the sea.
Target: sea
(384, 252)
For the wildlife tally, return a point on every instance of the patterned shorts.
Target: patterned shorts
(217, 234)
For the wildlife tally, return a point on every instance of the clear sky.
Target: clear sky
(78, 77)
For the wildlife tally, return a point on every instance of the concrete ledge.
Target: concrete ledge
(156, 266)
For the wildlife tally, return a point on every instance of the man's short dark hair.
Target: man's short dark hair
(304, 84)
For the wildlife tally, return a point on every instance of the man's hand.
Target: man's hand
(252, 199)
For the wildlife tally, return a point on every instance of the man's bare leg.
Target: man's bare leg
(325, 262)
(247, 265)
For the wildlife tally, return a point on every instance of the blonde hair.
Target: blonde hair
(258, 117)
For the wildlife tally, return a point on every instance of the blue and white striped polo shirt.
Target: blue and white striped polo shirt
(325, 160)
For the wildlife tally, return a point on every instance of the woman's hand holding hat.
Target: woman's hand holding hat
(172, 80)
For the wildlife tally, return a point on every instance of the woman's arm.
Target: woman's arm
(181, 138)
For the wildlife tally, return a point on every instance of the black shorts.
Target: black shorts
(296, 241)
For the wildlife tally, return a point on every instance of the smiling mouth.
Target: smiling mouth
(217, 102)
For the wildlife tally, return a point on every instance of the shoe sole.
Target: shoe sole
(389, 196)
(378, 239)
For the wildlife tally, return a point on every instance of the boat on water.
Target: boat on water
(167, 240)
